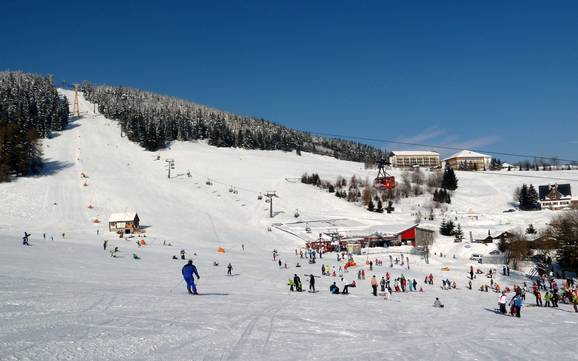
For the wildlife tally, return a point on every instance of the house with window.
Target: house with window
(124, 222)
(412, 158)
(555, 196)
(468, 160)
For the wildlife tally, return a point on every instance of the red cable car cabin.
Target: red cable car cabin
(387, 182)
(383, 180)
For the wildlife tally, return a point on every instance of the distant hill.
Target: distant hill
(153, 120)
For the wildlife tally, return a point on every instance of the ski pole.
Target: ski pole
(175, 286)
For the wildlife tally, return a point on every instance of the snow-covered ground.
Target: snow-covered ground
(65, 298)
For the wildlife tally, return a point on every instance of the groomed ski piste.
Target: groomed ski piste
(65, 298)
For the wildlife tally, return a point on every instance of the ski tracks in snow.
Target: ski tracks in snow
(246, 343)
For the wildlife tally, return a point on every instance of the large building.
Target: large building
(555, 196)
(468, 160)
(414, 158)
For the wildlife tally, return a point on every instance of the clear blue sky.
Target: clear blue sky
(495, 75)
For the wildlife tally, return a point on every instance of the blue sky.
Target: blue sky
(493, 75)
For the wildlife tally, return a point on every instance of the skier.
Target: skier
(471, 272)
(382, 284)
(334, 289)
(114, 252)
(183, 254)
(297, 282)
(188, 271)
(97, 231)
(291, 283)
(104, 244)
(438, 304)
(229, 269)
(44, 236)
(25, 239)
(502, 303)
(374, 285)
(243, 246)
(516, 305)
(312, 283)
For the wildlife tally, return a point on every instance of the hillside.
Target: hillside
(154, 120)
(65, 298)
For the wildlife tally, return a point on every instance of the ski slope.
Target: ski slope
(65, 298)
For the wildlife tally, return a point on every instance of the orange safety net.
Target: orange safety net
(142, 242)
(220, 250)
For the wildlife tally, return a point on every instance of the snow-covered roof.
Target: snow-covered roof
(415, 152)
(468, 154)
(122, 217)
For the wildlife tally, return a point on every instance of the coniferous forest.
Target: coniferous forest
(154, 120)
(30, 109)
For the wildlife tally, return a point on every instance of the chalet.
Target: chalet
(125, 222)
(555, 196)
(410, 159)
(468, 160)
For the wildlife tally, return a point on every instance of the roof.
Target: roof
(415, 152)
(122, 217)
(564, 190)
(468, 154)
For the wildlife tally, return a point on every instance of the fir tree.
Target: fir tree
(447, 228)
(458, 233)
(379, 208)
(370, 206)
(449, 180)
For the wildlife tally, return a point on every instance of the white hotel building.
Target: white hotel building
(414, 158)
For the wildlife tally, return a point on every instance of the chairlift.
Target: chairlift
(307, 228)
(208, 182)
(235, 191)
(231, 190)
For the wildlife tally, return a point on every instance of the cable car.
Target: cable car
(383, 180)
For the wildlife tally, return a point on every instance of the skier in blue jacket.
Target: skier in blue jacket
(188, 271)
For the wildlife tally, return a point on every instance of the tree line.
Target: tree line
(154, 120)
(30, 109)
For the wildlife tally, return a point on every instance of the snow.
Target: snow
(66, 298)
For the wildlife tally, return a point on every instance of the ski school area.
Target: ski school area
(74, 299)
